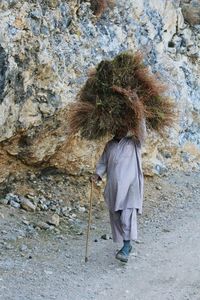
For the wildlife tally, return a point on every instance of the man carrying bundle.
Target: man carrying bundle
(116, 98)
(121, 162)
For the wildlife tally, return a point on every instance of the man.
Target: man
(121, 162)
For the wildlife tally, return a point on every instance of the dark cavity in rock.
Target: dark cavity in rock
(3, 69)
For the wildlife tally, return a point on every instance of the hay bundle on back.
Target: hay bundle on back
(121, 93)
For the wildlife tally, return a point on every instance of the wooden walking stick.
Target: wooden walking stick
(89, 222)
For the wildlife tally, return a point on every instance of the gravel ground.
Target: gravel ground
(164, 264)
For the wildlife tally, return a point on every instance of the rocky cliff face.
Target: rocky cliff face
(46, 51)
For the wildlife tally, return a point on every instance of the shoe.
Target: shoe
(122, 255)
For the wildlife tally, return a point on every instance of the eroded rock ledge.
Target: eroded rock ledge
(46, 51)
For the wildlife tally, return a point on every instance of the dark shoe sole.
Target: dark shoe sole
(122, 257)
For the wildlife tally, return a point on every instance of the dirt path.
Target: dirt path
(164, 265)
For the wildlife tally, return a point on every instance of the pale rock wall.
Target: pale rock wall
(46, 51)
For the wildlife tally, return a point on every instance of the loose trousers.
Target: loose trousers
(124, 224)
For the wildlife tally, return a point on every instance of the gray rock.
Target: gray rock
(4, 201)
(12, 197)
(158, 187)
(166, 230)
(27, 204)
(139, 242)
(54, 220)
(53, 207)
(14, 204)
(81, 209)
(66, 210)
(43, 225)
(43, 206)
(25, 222)
(105, 237)
(23, 248)
(48, 272)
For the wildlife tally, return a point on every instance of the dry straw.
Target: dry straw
(121, 93)
(99, 6)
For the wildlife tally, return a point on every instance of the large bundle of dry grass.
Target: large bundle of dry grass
(121, 93)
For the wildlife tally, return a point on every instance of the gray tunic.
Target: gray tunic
(121, 162)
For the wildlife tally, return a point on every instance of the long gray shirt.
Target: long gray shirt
(121, 162)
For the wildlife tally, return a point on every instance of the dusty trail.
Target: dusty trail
(165, 265)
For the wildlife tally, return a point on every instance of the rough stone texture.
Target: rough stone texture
(27, 204)
(191, 11)
(54, 220)
(46, 51)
